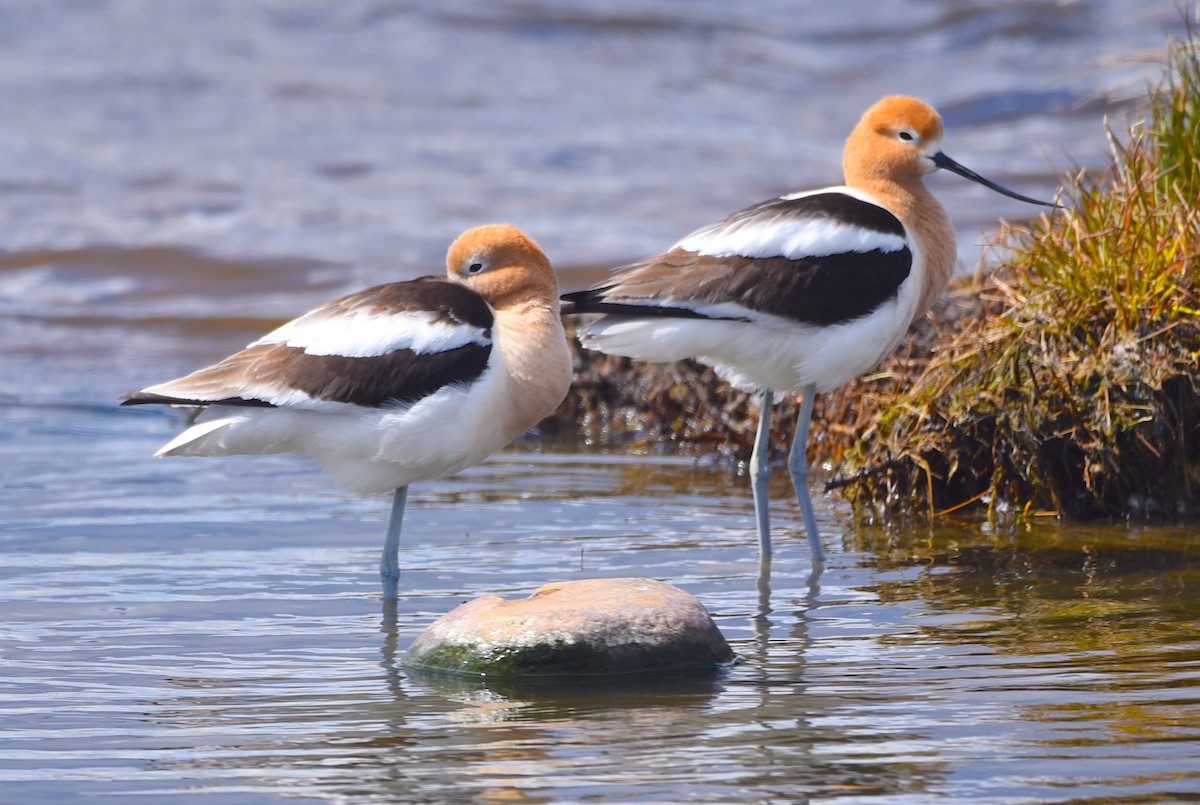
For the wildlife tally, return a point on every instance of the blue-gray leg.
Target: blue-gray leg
(389, 562)
(760, 476)
(798, 464)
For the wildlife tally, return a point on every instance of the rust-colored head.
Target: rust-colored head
(898, 141)
(895, 140)
(503, 264)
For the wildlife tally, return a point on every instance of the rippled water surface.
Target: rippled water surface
(175, 178)
(208, 630)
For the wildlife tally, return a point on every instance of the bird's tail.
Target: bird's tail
(595, 300)
(202, 439)
(583, 301)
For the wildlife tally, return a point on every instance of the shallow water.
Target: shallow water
(179, 177)
(212, 630)
(368, 133)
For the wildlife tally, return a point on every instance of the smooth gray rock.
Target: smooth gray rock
(593, 627)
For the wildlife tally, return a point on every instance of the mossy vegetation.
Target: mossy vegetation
(568, 658)
(1073, 387)
(1066, 382)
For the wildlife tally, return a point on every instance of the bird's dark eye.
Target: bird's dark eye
(906, 136)
(474, 268)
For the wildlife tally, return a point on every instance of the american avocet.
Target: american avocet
(801, 293)
(405, 382)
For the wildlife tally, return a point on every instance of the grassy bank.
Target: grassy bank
(1073, 388)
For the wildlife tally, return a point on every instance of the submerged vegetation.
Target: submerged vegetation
(1066, 382)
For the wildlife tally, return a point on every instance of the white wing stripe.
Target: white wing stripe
(816, 238)
(362, 334)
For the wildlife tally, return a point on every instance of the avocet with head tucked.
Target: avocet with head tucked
(405, 382)
(801, 293)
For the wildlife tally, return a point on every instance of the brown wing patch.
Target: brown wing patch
(269, 374)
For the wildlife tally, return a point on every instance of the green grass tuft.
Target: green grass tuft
(1073, 387)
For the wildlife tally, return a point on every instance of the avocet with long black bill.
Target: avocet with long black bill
(798, 294)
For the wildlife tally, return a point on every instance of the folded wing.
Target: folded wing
(389, 345)
(814, 259)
